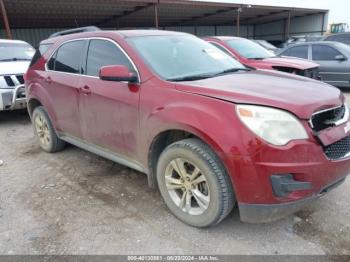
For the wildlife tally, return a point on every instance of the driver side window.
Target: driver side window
(103, 53)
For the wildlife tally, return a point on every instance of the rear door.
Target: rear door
(332, 71)
(62, 84)
(108, 109)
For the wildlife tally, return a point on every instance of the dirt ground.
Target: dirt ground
(74, 202)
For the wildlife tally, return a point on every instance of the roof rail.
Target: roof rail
(76, 30)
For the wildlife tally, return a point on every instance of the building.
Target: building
(34, 20)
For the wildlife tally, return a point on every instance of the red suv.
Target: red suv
(208, 132)
(253, 55)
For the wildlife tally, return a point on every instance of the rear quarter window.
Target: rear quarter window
(40, 52)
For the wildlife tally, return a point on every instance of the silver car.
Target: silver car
(333, 58)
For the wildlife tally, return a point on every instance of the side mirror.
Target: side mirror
(340, 58)
(118, 73)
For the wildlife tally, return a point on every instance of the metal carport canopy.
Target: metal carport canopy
(141, 13)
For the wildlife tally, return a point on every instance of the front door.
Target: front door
(108, 107)
(332, 71)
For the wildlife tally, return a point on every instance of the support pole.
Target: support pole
(156, 18)
(287, 28)
(6, 21)
(323, 20)
(239, 10)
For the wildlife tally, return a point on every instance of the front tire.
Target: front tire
(194, 184)
(44, 131)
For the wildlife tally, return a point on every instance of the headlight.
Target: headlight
(275, 126)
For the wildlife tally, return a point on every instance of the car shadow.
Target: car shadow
(17, 116)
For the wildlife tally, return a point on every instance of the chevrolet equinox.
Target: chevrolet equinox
(208, 132)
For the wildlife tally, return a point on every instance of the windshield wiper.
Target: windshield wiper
(14, 59)
(189, 78)
(231, 70)
(204, 76)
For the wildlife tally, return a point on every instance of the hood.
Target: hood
(14, 67)
(298, 63)
(299, 95)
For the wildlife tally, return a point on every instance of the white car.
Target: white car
(15, 57)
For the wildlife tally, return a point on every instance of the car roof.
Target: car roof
(122, 33)
(345, 33)
(341, 46)
(330, 43)
(137, 33)
(13, 41)
(223, 38)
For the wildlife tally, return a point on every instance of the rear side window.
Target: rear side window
(68, 58)
(39, 53)
(324, 53)
(102, 53)
(297, 51)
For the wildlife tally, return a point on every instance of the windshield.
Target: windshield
(249, 49)
(183, 57)
(16, 51)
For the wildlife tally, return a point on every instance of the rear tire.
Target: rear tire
(194, 184)
(44, 131)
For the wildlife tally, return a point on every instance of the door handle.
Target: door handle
(48, 80)
(85, 90)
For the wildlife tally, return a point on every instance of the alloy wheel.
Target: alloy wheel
(187, 186)
(42, 130)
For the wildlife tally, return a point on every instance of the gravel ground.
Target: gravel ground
(74, 202)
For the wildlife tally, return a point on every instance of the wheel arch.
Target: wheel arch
(32, 104)
(171, 135)
(37, 95)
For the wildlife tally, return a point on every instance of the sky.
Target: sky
(339, 9)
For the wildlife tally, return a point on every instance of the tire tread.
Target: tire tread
(208, 155)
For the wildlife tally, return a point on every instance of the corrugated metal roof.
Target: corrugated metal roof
(139, 13)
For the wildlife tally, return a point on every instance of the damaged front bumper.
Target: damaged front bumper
(13, 99)
(266, 213)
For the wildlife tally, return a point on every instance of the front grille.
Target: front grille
(338, 150)
(328, 118)
(9, 81)
(20, 79)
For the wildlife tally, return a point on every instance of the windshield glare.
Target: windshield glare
(249, 49)
(173, 57)
(266, 44)
(16, 51)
